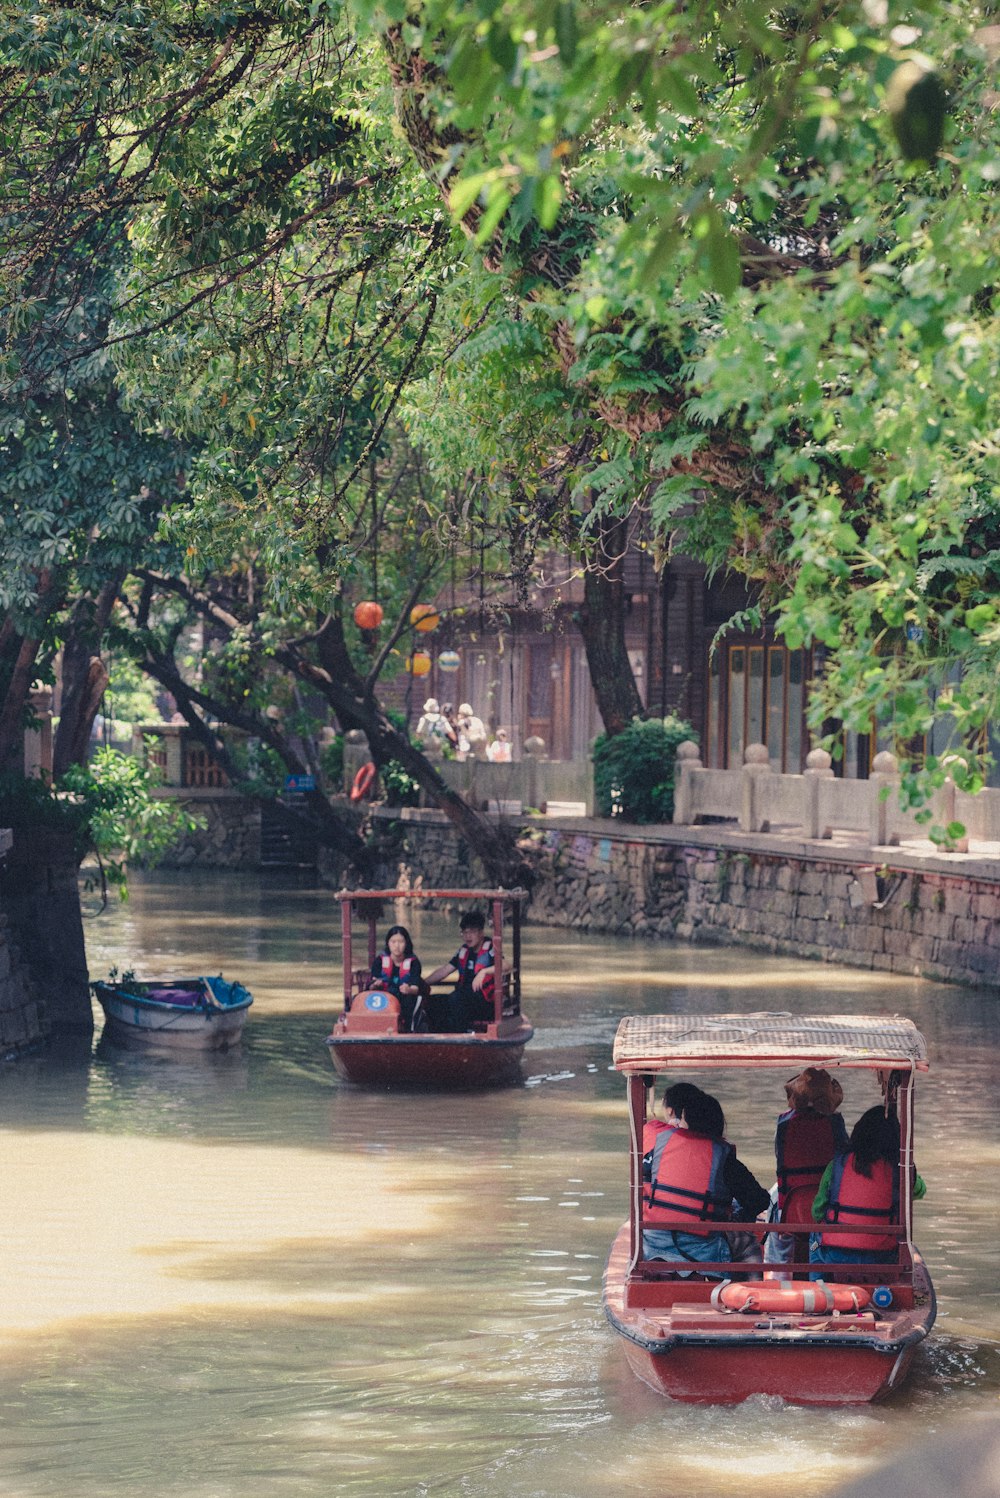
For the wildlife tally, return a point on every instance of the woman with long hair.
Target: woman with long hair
(690, 1171)
(859, 1189)
(397, 971)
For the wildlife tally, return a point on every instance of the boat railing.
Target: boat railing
(362, 981)
(682, 1278)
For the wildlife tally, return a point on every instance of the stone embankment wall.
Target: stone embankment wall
(229, 837)
(897, 912)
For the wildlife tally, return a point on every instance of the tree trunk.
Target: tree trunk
(602, 625)
(22, 655)
(40, 895)
(84, 678)
(354, 703)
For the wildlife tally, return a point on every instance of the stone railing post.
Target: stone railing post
(687, 761)
(818, 767)
(38, 740)
(534, 751)
(884, 776)
(756, 764)
(355, 754)
(945, 808)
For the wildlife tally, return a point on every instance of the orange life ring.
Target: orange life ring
(363, 781)
(772, 1295)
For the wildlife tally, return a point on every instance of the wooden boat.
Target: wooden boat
(692, 1339)
(367, 1045)
(187, 1013)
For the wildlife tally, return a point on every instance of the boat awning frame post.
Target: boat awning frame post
(636, 1092)
(496, 916)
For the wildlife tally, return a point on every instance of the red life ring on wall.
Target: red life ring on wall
(768, 1295)
(363, 781)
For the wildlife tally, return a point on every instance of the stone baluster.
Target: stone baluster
(884, 782)
(688, 760)
(945, 808)
(756, 764)
(818, 767)
(534, 753)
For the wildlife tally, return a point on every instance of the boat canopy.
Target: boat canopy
(653, 1042)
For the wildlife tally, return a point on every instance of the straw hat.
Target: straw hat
(815, 1088)
(431, 705)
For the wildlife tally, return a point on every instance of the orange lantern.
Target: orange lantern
(368, 615)
(425, 617)
(419, 663)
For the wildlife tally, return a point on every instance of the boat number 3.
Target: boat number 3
(376, 1001)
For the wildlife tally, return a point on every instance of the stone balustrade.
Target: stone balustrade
(818, 805)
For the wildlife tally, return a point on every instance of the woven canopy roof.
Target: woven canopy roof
(654, 1041)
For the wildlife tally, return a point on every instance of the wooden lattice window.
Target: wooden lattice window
(200, 769)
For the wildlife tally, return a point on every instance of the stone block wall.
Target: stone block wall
(229, 839)
(926, 919)
(23, 1021)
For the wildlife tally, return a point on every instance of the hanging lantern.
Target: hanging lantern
(368, 615)
(425, 617)
(419, 663)
(449, 661)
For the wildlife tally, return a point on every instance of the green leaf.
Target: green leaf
(550, 198)
(465, 192)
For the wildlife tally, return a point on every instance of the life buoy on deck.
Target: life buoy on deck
(768, 1295)
(363, 781)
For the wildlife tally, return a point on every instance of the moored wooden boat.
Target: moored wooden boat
(849, 1340)
(184, 1013)
(367, 1045)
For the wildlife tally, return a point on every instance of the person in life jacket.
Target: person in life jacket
(860, 1188)
(473, 966)
(808, 1135)
(397, 970)
(691, 1173)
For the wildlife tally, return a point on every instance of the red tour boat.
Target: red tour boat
(692, 1335)
(367, 1044)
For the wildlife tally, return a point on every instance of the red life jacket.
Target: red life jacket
(686, 1180)
(804, 1145)
(389, 969)
(470, 963)
(857, 1198)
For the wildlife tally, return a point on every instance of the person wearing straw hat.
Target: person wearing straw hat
(808, 1135)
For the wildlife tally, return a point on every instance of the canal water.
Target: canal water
(236, 1275)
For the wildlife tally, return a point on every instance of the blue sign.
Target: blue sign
(376, 1001)
(300, 783)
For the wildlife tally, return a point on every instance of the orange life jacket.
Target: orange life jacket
(804, 1145)
(391, 972)
(686, 1180)
(857, 1198)
(470, 962)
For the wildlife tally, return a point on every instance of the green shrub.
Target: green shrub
(399, 785)
(108, 806)
(634, 769)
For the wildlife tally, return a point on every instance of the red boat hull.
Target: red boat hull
(800, 1375)
(437, 1062)
(690, 1352)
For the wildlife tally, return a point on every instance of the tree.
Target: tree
(281, 281)
(790, 218)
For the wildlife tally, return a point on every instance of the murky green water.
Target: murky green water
(237, 1276)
